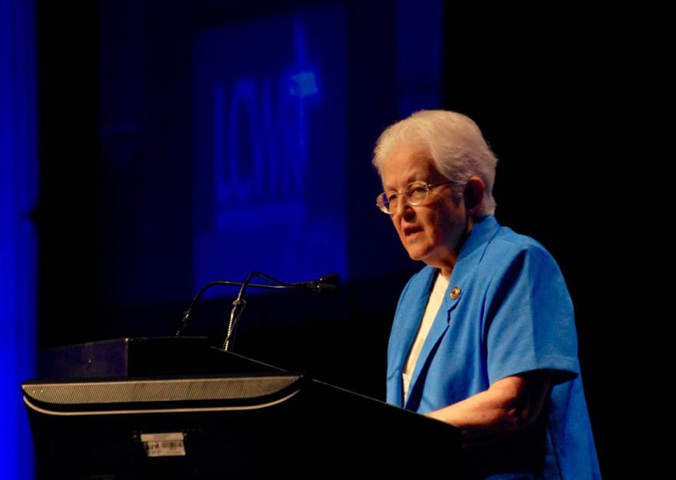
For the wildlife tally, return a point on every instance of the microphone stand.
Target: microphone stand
(239, 304)
(328, 284)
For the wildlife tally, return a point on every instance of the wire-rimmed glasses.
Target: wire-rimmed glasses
(414, 194)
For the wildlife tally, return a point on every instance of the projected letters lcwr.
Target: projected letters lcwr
(260, 148)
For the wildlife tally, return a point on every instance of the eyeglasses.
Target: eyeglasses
(416, 193)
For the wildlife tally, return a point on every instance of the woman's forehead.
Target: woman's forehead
(407, 164)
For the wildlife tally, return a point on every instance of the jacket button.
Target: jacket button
(455, 293)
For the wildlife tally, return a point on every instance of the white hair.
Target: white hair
(456, 144)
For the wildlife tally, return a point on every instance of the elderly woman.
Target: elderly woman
(484, 336)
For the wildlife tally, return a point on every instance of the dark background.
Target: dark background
(548, 88)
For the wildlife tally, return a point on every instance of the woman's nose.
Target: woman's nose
(404, 209)
(409, 212)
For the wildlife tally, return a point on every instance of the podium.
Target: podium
(176, 408)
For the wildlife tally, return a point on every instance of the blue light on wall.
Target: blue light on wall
(269, 140)
(419, 66)
(18, 194)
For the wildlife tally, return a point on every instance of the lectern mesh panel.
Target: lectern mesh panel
(158, 390)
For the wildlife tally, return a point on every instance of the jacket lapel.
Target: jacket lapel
(469, 257)
(438, 330)
(402, 339)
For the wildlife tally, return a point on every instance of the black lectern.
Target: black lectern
(179, 409)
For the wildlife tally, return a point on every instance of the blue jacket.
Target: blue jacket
(507, 311)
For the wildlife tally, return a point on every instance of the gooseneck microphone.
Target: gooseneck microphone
(328, 284)
(188, 312)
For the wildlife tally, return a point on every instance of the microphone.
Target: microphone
(328, 285)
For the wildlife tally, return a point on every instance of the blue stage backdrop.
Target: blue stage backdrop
(18, 182)
(269, 148)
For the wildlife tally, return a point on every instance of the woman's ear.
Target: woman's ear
(474, 194)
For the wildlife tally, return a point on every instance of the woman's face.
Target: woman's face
(430, 232)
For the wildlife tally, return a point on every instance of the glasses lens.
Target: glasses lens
(383, 203)
(417, 192)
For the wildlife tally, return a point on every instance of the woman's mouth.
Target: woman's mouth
(411, 230)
